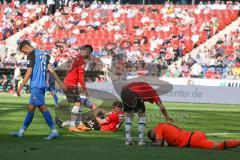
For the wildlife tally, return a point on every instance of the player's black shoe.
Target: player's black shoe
(59, 122)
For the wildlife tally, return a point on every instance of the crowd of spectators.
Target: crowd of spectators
(14, 17)
(222, 61)
(150, 38)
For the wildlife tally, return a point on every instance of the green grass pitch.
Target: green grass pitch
(102, 146)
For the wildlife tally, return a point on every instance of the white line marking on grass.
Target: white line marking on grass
(219, 134)
(12, 108)
(208, 134)
(207, 109)
(133, 138)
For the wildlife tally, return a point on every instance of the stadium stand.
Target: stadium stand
(16, 17)
(220, 62)
(157, 33)
(151, 37)
(181, 27)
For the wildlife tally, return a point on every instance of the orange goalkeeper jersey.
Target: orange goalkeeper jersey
(173, 135)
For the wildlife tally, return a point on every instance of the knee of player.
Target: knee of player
(128, 120)
(142, 120)
(42, 108)
(76, 109)
(31, 108)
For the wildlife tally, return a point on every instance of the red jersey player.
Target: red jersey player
(110, 122)
(74, 77)
(133, 97)
(113, 120)
(178, 137)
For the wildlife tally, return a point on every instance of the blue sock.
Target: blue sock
(48, 118)
(55, 99)
(27, 121)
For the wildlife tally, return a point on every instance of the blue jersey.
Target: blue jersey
(38, 60)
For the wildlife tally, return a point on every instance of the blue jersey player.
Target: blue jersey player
(38, 64)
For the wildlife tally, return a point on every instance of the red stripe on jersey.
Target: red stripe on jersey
(145, 91)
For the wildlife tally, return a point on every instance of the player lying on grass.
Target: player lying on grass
(37, 66)
(133, 97)
(109, 122)
(177, 137)
(73, 79)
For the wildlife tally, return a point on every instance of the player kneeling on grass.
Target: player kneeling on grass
(177, 137)
(38, 64)
(109, 122)
(133, 97)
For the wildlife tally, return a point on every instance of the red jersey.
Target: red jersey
(75, 74)
(173, 135)
(113, 122)
(145, 91)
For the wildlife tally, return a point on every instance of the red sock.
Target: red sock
(220, 146)
(228, 144)
(232, 143)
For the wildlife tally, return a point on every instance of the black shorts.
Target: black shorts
(132, 102)
(92, 123)
(72, 95)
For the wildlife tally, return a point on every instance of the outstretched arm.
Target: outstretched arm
(164, 112)
(82, 82)
(25, 80)
(101, 121)
(51, 70)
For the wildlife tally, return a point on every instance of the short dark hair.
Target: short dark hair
(88, 47)
(118, 104)
(23, 43)
(151, 136)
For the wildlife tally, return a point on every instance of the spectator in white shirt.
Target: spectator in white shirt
(196, 70)
(94, 5)
(195, 38)
(145, 19)
(8, 10)
(17, 3)
(197, 11)
(222, 6)
(78, 10)
(116, 14)
(84, 15)
(139, 31)
(118, 36)
(82, 23)
(26, 14)
(201, 5)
